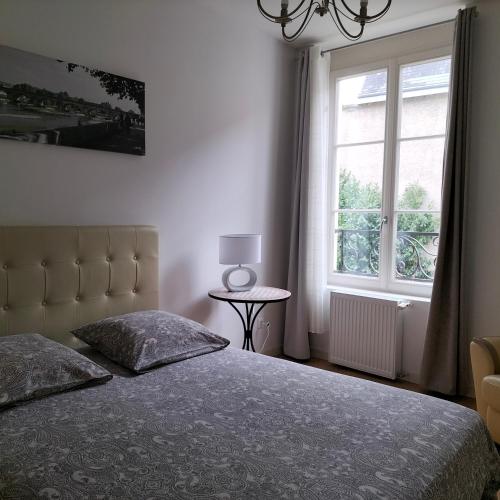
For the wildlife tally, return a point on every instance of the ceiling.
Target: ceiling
(403, 15)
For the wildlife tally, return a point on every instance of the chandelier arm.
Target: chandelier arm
(383, 12)
(291, 38)
(375, 20)
(267, 17)
(342, 28)
(346, 15)
(338, 27)
(302, 27)
(291, 13)
(266, 14)
(321, 7)
(300, 14)
(367, 18)
(354, 14)
(271, 17)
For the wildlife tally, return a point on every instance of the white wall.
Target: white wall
(483, 281)
(218, 128)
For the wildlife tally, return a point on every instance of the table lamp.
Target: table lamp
(235, 250)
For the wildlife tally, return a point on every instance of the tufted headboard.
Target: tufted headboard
(56, 278)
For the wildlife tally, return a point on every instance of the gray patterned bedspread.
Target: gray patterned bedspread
(233, 424)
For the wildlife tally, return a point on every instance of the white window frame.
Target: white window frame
(385, 282)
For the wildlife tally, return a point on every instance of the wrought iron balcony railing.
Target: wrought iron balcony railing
(358, 253)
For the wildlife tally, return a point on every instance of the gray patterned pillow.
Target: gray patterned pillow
(32, 366)
(144, 339)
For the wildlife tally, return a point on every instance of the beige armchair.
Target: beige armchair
(485, 357)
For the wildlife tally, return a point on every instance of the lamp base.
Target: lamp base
(252, 279)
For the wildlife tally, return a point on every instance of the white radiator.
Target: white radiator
(366, 333)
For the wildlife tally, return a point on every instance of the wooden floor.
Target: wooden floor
(402, 384)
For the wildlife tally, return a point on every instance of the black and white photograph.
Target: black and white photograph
(50, 101)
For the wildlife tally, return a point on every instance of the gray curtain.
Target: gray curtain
(306, 311)
(446, 364)
(296, 341)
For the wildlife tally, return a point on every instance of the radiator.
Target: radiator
(366, 333)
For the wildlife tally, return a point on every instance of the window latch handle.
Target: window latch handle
(385, 220)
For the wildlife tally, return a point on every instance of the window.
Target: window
(386, 166)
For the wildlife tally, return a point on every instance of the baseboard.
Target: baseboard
(414, 378)
(319, 353)
(322, 354)
(278, 351)
(273, 350)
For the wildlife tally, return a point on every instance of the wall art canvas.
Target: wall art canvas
(51, 101)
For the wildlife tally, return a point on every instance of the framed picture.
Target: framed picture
(51, 101)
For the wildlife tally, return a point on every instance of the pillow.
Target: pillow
(144, 339)
(32, 366)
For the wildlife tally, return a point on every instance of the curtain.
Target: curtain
(307, 308)
(446, 364)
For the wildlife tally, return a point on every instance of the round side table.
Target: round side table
(258, 296)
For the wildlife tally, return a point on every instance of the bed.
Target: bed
(229, 424)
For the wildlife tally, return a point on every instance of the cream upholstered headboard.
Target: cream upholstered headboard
(56, 278)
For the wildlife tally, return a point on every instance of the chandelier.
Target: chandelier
(339, 11)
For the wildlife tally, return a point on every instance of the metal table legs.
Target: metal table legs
(248, 323)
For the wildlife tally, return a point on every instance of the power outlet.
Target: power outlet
(262, 331)
(263, 324)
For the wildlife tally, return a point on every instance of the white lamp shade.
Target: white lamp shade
(237, 249)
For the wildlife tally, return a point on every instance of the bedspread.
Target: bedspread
(234, 424)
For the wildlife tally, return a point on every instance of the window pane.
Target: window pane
(420, 174)
(424, 92)
(360, 171)
(361, 108)
(357, 242)
(416, 246)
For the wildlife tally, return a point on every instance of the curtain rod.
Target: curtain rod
(387, 36)
(474, 8)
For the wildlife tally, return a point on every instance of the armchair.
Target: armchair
(485, 358)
